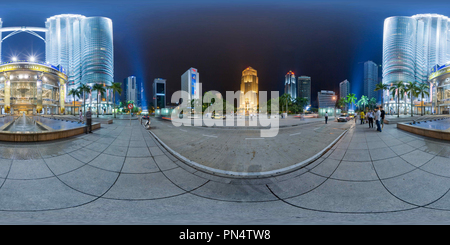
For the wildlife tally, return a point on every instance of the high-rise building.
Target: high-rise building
(370, 79)
(290, 86)
(344, 89)
(132, 90)
(327, 102)
(159, 93)
(304, 88)
(83, 46)
(412, 46)
(249, 91)
(190, 83)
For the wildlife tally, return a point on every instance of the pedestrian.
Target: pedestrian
(377, 119)
(361, 116)
(326, 117)
(370, 117)
(81, 116)
(382, 116)
(89, 120)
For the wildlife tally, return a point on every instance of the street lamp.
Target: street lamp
(334, 100)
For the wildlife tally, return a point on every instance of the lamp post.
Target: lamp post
(334, 100)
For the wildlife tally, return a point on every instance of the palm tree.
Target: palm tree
(74, 92)
(411, 90)
(285, 99)
(100, 91)
(381, 86)
(116, 88)
(363, 102)
(422, 90)
(372, 102)
(351, 98)
(397, 88)
(83, 88)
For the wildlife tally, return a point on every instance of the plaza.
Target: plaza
(121, 174)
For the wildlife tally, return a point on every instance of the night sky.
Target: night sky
(326, 40)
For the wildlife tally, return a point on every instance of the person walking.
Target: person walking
(89, 120)
(377, 119)
(370, 118)
(326, 117)
(81, 115)
(361, 116)
(382, 116)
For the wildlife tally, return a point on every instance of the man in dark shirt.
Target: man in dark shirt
(382, 116)
(89, 120)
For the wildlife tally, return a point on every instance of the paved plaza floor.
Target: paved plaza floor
(120, 174)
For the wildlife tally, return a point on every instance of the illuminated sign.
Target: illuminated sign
(32, 67)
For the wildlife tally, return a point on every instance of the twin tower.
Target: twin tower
(81, 46)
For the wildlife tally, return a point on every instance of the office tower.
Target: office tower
(370, 79)
(159, 93)
(344, 88)
(412, 47)
(327, 102)
(249, 91)
(290, 86)
(132, 90)
(190, 83)
(82, 46)
(63, 45)
(304, 88)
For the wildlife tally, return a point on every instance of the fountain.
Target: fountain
(438, 128)
(39, 128)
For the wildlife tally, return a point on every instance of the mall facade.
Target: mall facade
(78, 50)
(413, 47)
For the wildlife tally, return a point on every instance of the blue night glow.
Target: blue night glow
(327, 41)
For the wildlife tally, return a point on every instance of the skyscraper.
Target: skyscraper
(249, 91)
(190, 83)
(412, 46)
(344, 88)
(290, 86)
(370, 79)
(83, 46)
(304, 88)
(132, 90)
(159, 93)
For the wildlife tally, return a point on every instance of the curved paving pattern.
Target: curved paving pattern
(120, 174)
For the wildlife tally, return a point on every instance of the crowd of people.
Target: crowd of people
(370, 116)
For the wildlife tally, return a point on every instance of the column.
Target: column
(39, 94)
(7, 92)
(62, 93)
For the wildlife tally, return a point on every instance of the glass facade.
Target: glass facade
(290, 86)
(304, 88)
(412, 46)
(97, 57)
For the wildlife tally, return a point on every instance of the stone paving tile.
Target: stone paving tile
(121, 171)
(38, 195)
(89, 180)
(418, 187)
(143, 186)
(62, 164)
(139, 165)
(349, 196)
(355, 171)
(417, 157)
(29, 169)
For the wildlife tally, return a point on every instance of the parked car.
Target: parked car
(344, 117)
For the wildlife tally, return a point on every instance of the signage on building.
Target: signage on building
(33, 67)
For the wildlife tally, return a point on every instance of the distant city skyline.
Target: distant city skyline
(148, 43)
